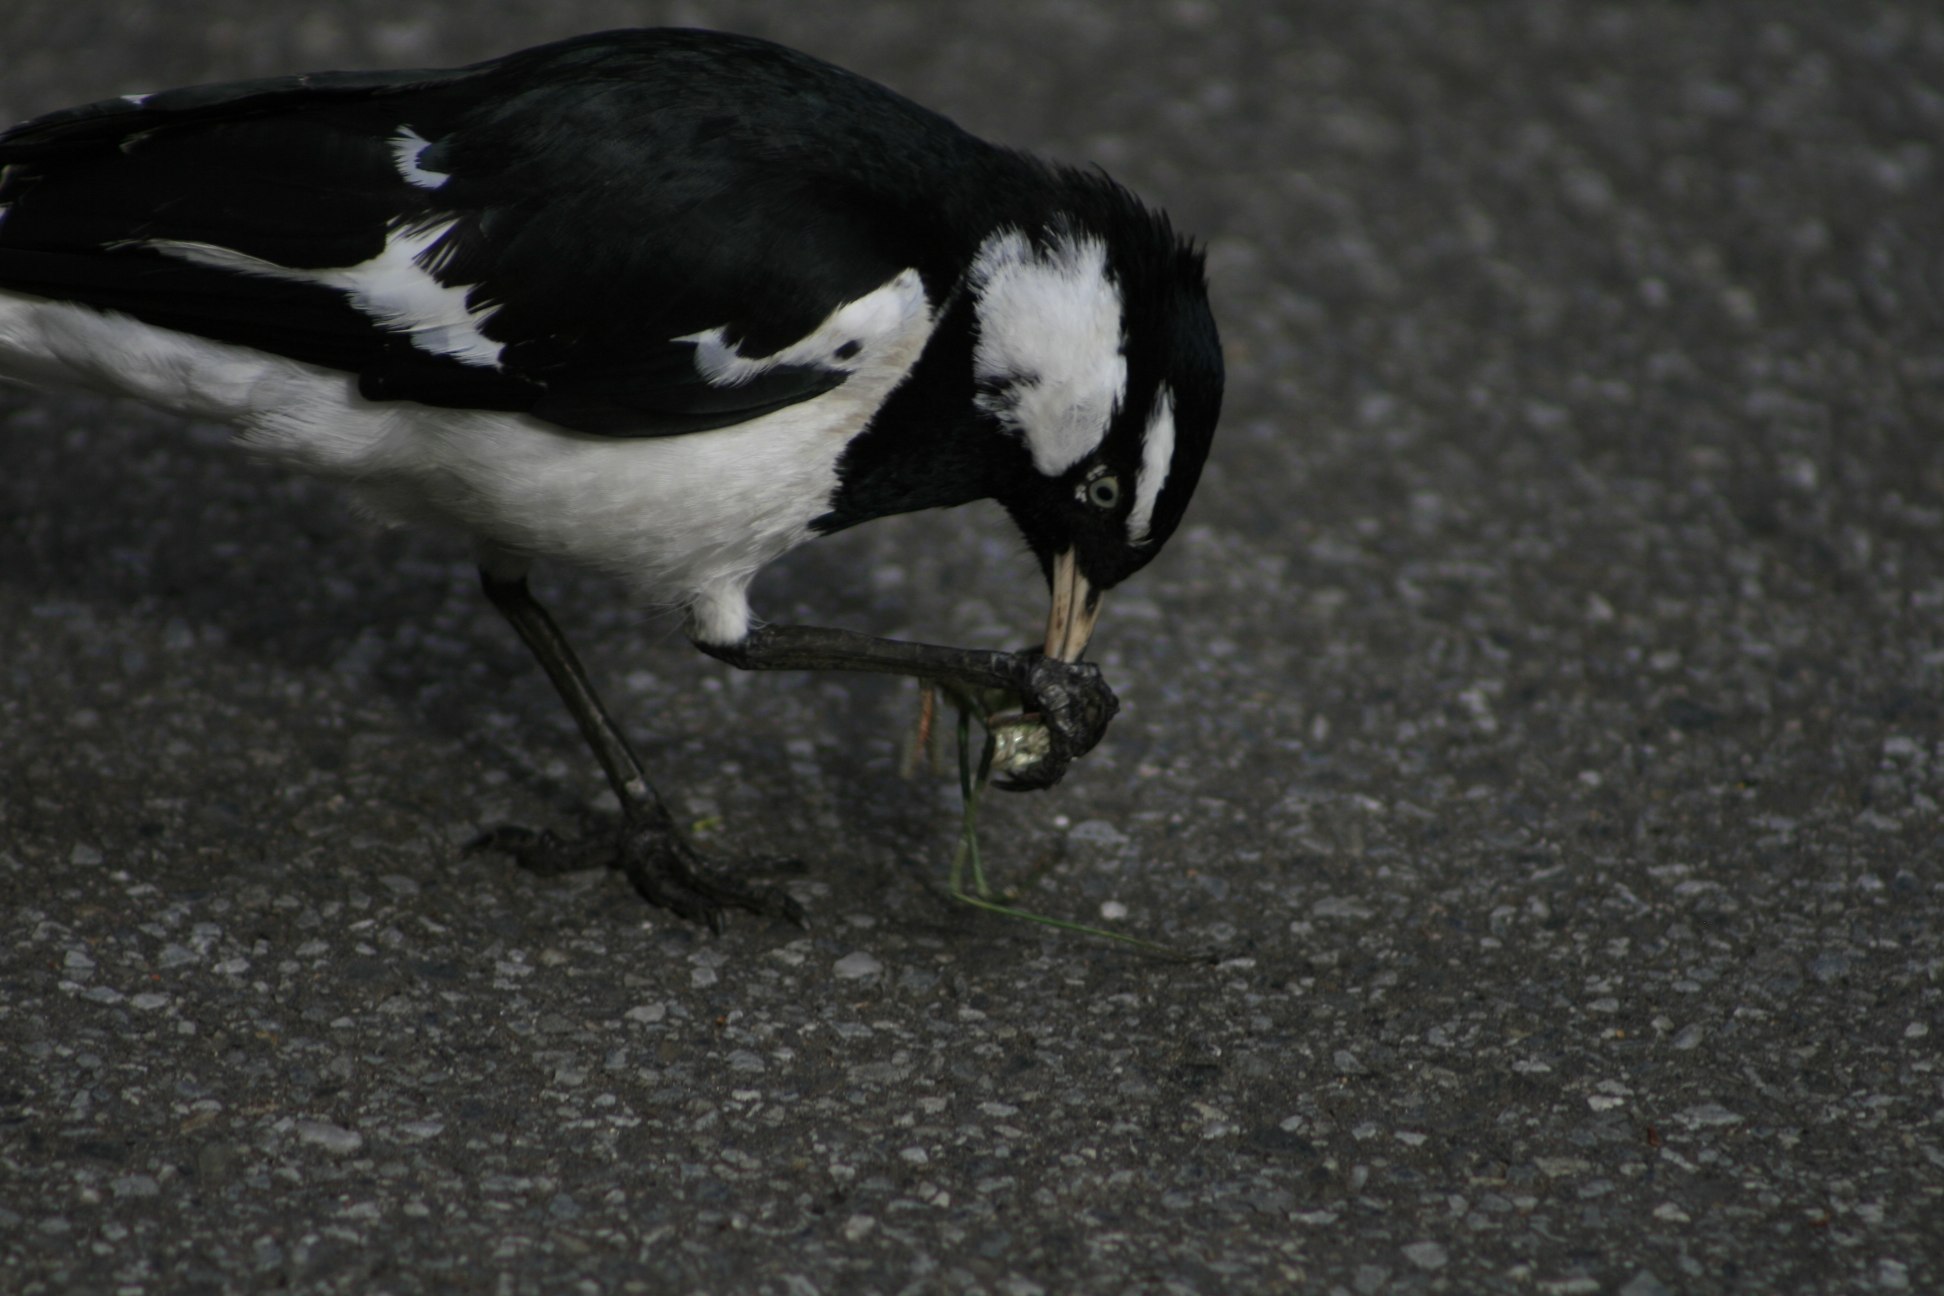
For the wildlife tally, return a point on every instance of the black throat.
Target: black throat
(928, 446)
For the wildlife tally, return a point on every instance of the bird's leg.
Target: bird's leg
(652, 852)
(1071, 697)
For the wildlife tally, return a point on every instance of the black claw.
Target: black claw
(545, 853)
(653, 857)
(503, 838)
(1076, 704)
(662, 868)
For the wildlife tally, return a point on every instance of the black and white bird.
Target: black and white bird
(666, 303)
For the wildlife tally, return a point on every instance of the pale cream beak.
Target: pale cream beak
(1076, 606)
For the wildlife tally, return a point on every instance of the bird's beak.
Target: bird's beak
(1076, 606)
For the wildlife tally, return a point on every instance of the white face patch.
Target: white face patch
(394, 288)
(851, 338)
(1157, 454)
(1049, 349)
(407, 147)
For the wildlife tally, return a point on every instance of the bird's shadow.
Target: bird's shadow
(139, 514)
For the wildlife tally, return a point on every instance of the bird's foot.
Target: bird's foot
(1056, 713)
(1075, 704)
(662, 867)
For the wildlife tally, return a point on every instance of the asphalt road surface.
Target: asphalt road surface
(1541, 716)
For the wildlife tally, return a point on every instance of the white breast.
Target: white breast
(688, 520)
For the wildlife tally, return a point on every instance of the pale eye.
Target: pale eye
(1102, 492)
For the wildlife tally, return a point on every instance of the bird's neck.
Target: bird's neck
(928, 446)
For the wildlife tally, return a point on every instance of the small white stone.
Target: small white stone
(1097, 832)
(1706, 1114)
(330, 1137)
(1562, 1167)
(1427, 1255)
(856, 966)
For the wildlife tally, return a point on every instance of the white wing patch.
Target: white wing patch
(394, 288)
(851, 338)
(1157, 455)
(407, 147)
(1049, 356)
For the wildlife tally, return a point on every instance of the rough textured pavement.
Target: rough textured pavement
(1543, 716)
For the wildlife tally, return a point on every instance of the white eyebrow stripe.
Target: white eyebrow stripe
(394, 289)
(1157, 456)
(407, 147)
(1049, 348)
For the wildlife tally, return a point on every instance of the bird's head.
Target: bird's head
(1097, 351)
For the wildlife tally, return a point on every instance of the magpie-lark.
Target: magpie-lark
(663, 302)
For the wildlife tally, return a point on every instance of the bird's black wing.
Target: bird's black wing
(565, 231)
